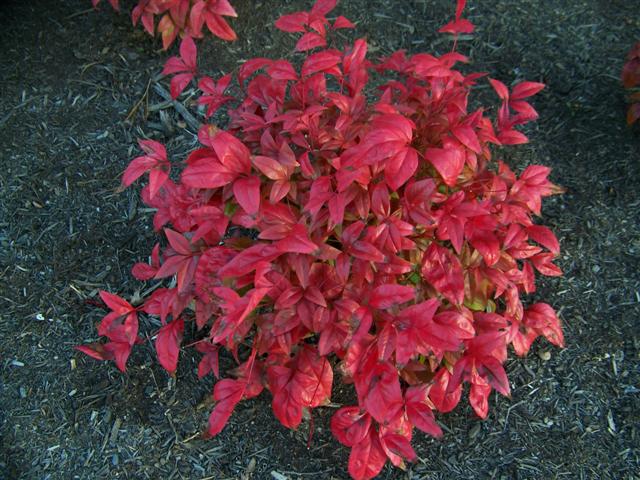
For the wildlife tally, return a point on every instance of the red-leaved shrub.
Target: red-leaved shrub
(631, 81)
(329, 231)
(182, 17)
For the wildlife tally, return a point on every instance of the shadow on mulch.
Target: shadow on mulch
(71, 81)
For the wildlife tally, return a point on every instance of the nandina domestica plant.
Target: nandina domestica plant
(631, 81)
(182, 17)
(329, 231)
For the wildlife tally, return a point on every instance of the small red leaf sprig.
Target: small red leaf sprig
(330, 232)
(631, 81)
(182, 18)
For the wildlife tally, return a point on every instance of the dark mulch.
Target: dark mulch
(74, 98)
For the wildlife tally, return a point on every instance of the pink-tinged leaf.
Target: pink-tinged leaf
(120, 352)
(525, 90)
(381, 392)
(386, 296)
(479, 399)
(443, 397)
(496, 376)
(512, 137)
(467, 136)
(178, 242)
(542, 317)
(209, 362)
(223, 7)
(219, 27)
(545, 237)
(350, 425)
(315, 375)
(320, 62)
(116, 303)
(168, 344)
(448, 162)
(271, 168)
(400, 168)
(153, 149)
(282, 70)
(179, 82)
(157, 179)
(543, 263)
(457, 26)
(322, 7)
(309, 41)
(460, 4)
(207, 172)
(367, 458)
(419, 411)
(443, 270)
(227, 393)
(94, 350)
(293, 22)
(188, 52)
(249, 67)
(297, 241)
(174, 65)
(500, 88)
(397, 447)
(247, 260)
(143, 271)
(342, 22)
(137, 168)
(287, 409)
(247, 193)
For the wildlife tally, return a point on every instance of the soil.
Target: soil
(75, 94)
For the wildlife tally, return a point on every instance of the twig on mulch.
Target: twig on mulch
(184, 113)
(138, 103)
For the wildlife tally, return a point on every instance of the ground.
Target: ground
(73, 99)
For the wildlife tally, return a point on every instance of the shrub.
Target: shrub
(631, 81)
(182, 17)
(329, 230)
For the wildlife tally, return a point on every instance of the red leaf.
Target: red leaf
(386, 296)
(209, 362)
(342, 22)
(350, 425)
(545, 237)
(137, 168)
(120, 352)
(188, 52)
(448, 162)
(179, 82)
(95, 350)
(116, 303)
(297, 241)
(500, 88)
(468, 138)
(320, 62)
(367, 458)
(178, 242)
(381, 392)
(419, 410)
(442, 269)
(247, 193)
(309, 41)
(525, 90)
(479, 399)
(168, 344)
(282, 70)
(322, 7)
(227, 393)
(293, 22)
